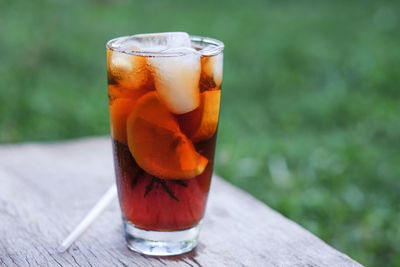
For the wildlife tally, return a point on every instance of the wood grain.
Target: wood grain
(46, 189)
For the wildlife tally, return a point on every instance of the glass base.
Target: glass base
(160, 243)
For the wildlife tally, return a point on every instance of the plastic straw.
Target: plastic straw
(100, 206)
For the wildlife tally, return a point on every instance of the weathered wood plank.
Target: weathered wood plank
(46, 189)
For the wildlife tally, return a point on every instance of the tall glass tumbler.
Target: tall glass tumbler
(164, 96)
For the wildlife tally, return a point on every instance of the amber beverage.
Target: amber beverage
(164, 96)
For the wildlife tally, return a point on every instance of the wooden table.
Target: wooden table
(46, 189)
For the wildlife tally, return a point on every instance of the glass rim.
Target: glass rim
(217, 47)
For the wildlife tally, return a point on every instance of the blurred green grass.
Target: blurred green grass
(311, 99)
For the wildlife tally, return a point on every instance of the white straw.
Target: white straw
(100, 206)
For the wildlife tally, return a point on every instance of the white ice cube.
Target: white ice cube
(176, 77)
(121, 61)
(157, 42)
(213, 67)
(218, 62)
(130, 71)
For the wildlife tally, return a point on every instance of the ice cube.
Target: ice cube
(129, 71)
(212, 68)
(176, 77)
(120, 61)
(157, 42)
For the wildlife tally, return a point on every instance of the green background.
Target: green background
(311, 101)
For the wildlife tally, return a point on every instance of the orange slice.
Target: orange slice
(209, 119)
(117, 91)
(121, 102)
(201, 124)
(158, 145)
(119, 112)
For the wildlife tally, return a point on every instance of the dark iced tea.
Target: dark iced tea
(164, 96)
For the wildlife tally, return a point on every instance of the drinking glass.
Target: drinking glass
(164, 97)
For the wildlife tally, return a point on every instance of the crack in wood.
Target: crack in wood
(195, 261)
(123, 263)
(8, 254)
(83, 255)
(27, 261)
(3, 262)
(40, 254)
(112, 260)
(160, 260)
(37, 263)
(149, 258)
(91, 252)
(75, 260)
(187, 262)
(52, 256)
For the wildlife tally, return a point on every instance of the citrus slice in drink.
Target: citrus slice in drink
(157, 143)
(117, 91)
(119, 112)
(201, 124)
(121, 102)
(209, 120)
